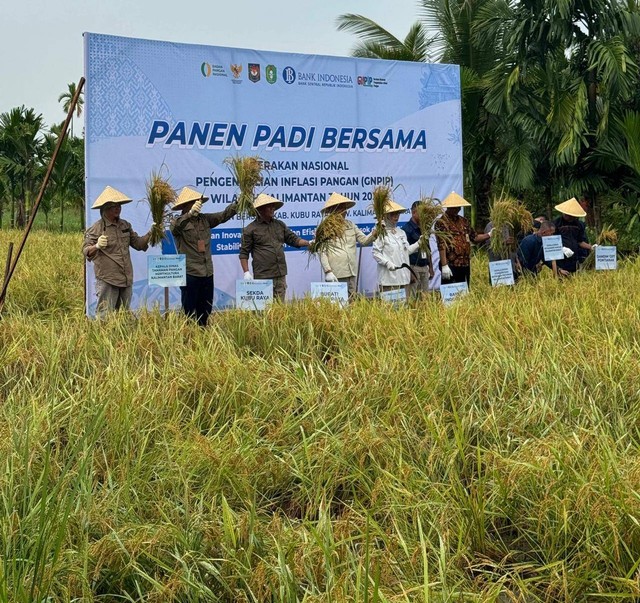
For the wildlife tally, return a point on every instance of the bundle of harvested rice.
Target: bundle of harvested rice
(330, 229)
(511, 220)
(428, 213)
(381, 196)
(160, 196)
(608, 236)
(248, 174)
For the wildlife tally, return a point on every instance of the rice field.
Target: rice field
(489, 451)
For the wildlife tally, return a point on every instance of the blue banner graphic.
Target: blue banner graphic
(320, 124)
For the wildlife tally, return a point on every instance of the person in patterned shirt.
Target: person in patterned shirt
(455, 235)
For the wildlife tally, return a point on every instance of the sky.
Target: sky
(41, 47)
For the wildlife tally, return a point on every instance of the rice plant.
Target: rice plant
(315, 453)
(331, 228)
(248, 173)
(160, 196)
(511, 221)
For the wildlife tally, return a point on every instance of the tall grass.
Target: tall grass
(484, 452)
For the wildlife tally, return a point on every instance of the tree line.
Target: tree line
(550, 98)
(26, 147)
(550, 107)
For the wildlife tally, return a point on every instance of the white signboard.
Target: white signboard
(396, 297)
(501, 273)
(452, 291)
(606, 257)
(552, 247)
(254, 294)
(167, 270)
(336, 292)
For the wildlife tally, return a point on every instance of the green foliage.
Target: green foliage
(310, 453)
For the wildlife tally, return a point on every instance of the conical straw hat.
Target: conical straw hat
(187, 195)
(393, 207)
(453, 199)
(262, 200)
(571, 208)
(336, 199)
(110, 195)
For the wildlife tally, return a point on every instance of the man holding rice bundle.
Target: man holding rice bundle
(574, 235)
(454, 244)
(106, 244)
(391, 252)
(419, 261)
(339, 262)
(192, 234)
(264, 241)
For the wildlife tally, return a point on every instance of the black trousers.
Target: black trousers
(460, 274)
(197, 298)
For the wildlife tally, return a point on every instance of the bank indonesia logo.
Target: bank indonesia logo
(254, 72)
(289, 75)
(271, 73)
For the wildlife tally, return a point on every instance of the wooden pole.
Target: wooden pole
(8, 265)
(45, 182)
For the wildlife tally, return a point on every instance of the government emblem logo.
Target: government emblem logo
(236, 70)
(271, 73)
(254, 72)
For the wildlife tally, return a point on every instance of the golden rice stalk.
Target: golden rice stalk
(608, 236)
(160, 196)
(330, 229)
(248, 174)
(510, 219)
(428, 213)
(381, 196)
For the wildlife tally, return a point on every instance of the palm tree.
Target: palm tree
(66, 97)
(453, 42)
(378, 43)
(20, 156)
(569, 69)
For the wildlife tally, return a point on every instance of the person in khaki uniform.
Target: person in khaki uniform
(106, 244)
(263, 240)
(340, 264)
(192, 234)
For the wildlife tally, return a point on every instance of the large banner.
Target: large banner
(321, 124)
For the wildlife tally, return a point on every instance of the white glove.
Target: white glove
(594, 246)
(195, 209)
(490, 233)
(390, 266)
(248, 276)
(330, 277)
(102, 242)
(567, 252)
(447, 275)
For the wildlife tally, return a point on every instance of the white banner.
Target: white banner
(320, 124)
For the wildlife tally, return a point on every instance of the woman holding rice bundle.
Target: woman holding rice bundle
(391, 252)
(192, 234)
(340, 262)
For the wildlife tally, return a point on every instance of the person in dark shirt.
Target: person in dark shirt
(419, 260)
(573, 233)
(264, 241)
(530, 252)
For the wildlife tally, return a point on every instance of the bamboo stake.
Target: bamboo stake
(8, 265)
(43, 186)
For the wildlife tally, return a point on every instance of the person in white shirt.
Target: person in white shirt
(392, 250)
(340, 263)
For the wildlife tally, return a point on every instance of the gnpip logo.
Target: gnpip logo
(289, 75)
